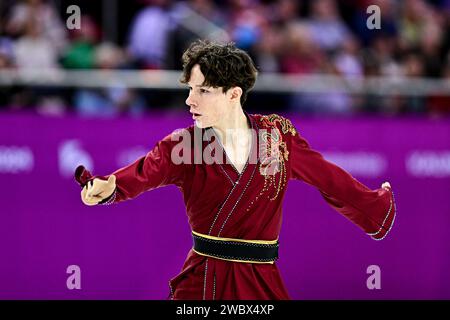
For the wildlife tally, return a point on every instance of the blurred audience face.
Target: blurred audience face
(431, 38)
(413, 66)
(298, 39)
(33, 29)
(4, 63)
(324, 9)
(287, 10)
(350, 45)
(35, 3)
(108, 56)
(415, 10)
(88, 32)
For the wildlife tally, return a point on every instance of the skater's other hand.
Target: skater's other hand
(386, 185)
(96, 190)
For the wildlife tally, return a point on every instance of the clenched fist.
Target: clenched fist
(97, 190)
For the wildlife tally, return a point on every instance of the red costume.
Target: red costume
(220, 202)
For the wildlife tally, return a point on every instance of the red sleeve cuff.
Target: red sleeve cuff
(387, 220)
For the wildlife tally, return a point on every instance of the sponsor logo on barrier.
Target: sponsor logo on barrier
(15, 159)
(70, 156)
(364, 164)
(428, 164)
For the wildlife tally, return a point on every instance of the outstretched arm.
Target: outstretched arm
(372, 210)
(151, 171)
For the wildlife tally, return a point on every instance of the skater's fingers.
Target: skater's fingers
(88, 185)
(95, 187)
(98, 196)
(89, 201)
(89, 188)
(98, 187)
(102, 187)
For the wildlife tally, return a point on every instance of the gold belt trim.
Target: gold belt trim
(260, 242)
(237, 240)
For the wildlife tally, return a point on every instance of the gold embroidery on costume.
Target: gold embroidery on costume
(286, 124)
(273, 154)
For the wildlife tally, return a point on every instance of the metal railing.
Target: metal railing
(267, 82)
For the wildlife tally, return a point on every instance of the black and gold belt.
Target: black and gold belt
(236, 250)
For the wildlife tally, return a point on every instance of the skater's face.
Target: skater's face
(208, 105)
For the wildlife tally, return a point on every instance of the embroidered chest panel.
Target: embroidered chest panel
(273, 155)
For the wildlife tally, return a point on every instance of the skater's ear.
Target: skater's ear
(234, 94)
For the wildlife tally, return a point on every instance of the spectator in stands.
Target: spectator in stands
(6, 53)
(328, 30)
(110, 101)
(347, 60)
(300, 54)
(285, 12)
(388, 14)
(417, 17)
(81, 51)
(6, 62)
(45, 18)
(288, 36)
(149, 35)
(193, 19)
(384, 49)
(268, 49)
(438, 104)
(33, 49)
(245, 23)
(413, 67)
(431, 41)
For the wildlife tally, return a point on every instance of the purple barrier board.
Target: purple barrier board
(131, 250)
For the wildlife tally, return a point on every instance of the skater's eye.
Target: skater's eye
(201, 90)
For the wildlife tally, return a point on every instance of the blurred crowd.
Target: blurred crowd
(284, 36)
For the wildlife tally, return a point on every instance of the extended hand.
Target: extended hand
(96, 190)
(386, 185)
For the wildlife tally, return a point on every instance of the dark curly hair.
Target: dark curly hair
(223, 65)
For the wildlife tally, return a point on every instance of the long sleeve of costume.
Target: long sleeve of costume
(372, 210)
(151, 171)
